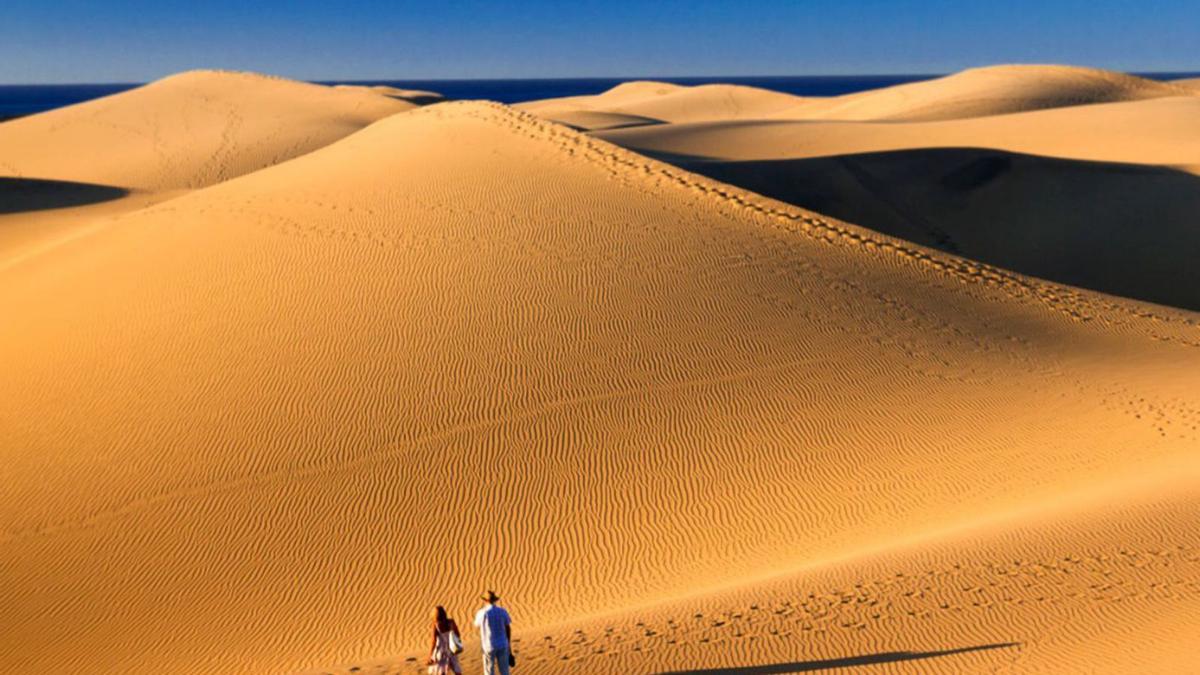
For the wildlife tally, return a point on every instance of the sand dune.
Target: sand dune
(1102, 196)
(987, 91)
(1162, 132)
(63, 171)
(624, 93)
(978, 92)
(671, 102)
(186, 131)
(1124, 229)
(264, 426)
(1190, 83)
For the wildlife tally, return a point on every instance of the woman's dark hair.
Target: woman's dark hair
(440, 620)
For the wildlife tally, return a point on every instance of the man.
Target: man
(495, 633)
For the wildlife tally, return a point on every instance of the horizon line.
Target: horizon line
(358, 80)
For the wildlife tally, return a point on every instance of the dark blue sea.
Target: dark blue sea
(17, 100)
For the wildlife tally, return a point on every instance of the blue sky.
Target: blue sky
(134, 41)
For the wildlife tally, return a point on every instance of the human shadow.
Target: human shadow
(1125, 229)
(845, 662)
(18, 195)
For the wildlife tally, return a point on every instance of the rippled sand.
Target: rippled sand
(372, 357)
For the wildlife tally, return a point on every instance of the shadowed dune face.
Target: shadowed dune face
(1100, 196)
(18, 195)
(1124, 229)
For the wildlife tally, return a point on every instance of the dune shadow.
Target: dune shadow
(844, 662)
(421, 98)
(598, 122)
(18, 195)
(632, 124)
(1124, 229)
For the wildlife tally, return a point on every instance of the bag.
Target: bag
(512, 659)
(456, 643)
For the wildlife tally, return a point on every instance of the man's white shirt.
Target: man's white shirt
(491, 621)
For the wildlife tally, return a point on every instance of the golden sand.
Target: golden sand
(264, 423)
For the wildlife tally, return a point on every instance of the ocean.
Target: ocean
(18, 100)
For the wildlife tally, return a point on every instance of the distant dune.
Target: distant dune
(673, 103)
(187, 131)
(183, 132)
(1192, 83)
(978, 92)
(994, 90)
(264, 424)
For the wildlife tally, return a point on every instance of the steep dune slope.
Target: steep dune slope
(1124, 229)
(1101, 196)
(265, 426)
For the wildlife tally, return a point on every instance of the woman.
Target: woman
(442, 659)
